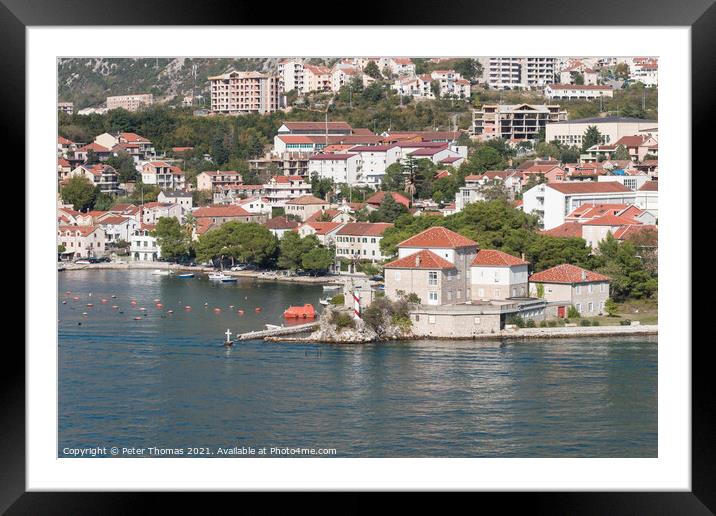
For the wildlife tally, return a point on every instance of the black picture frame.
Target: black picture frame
(16, 15)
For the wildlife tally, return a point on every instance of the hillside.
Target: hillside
(88, 81)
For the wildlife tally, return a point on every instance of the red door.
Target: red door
(560, 311)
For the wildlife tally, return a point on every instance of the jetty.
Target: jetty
(277, 332)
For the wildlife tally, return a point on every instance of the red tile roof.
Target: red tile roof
(566, 230)
(631, 141)
(281, 223)
(567, 273)
(303, 126)
(286, 179)
(610, 220)
(649, 186)
(625, 232)
(133, 138)
(64, 141)
(332, 157)
(494, 258)
(438, 237)
(306, 199)
(364, 229)
(95, 147)
(579, 87)
(82, 230)
(320, 214)
(579, 187)
(221, 211)
(421, 260)
(322, 228)
(378, 197)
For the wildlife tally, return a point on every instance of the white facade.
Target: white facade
(611, 128)
(143, 247)
(498, 282)
(339, 168)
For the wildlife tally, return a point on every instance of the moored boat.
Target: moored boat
(161, 272)
(331, 287)
(273, 327)
(300, 312)
(186, 275)
(325, 301)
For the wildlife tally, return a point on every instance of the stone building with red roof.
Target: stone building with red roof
(569, 285)
(498, 275)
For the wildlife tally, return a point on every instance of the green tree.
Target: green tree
(388, 211)
(171, 238)
(578, 78)
(611, 307)
(318, 259)
(435, 88)
(123, 163)
(92, 158)
(592, 136)
(79, 192)
(393, 180)
(103, 201)
(372, 70)
(495, 190)
(629, 276)
(292, 248)
(621, 153)
(469, 69)
(483, 159)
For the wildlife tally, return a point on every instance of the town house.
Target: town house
(361, 241)
(569, 285)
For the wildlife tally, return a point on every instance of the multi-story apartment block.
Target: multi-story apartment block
(163, 175)
(518, 72)
(211, 180)
(280, 189)
(139, 147)
(376, 158)
(305, 206)
(151, 212)
(514, 121)
(237, 93)
(143, 246)
(339, 168)
(291, 73)
(130, 102)
(361, 241)
(316, 78)
(180, 197)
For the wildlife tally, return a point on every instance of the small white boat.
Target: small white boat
(331, 287)
(161, 272)
(186, 275)
(220, 276)
(273, 327)
(325, 301)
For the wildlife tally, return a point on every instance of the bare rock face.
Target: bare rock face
(361, 332)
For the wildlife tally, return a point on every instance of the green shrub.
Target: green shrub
(543, 324)
(342, 320)
(573, 313)
(338, 300)
(595, 322)
(585, 322)
(625, 322)
(552, 324)
(611, 307)
(517, 320)
(530, 323)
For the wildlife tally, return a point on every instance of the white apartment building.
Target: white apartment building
(577, 91)
(291, 73)
(518, 72)
(118, 227)
(236, 93)
(552, 202)
(130, 102)
(182, 198)
(451, 83)
(280, 189)
(66, 107)
(143, 246)
(376, 158)
(163, 175)
(81, 241)
(339, 168)
(361, 241)
(514, 121)
(612, 128)
(211, 180)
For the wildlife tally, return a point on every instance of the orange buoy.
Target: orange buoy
(258, 309)
(133, 302)
(75, 298)
(104, 300)
(187, 307)
(240, 312)
(137, 318)
(217, 310)
(159, 305)
(90, 305)
(114, 307)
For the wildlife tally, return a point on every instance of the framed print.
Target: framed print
(372, 257)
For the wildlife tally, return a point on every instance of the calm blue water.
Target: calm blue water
(167, 381)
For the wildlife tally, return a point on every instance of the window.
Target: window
(433, 297)
(397, 275)
(579, 307)
(449, 295)
(432, 278)
(589, 289)
(431, 319)
(591, 307)
(497, 292)
(477, 320)
(578, 289)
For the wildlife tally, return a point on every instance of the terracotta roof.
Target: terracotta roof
(428, 151)
(364, 229)
(438, 237)
(610, 220)
(579, 87)
(649, 186)
(82, 230)
(421, 260)
(567, 273)
(588, 211)
(632, 141)
(64, 141)
(221, 211)
(330, 212)
(116, 219)
(306, 199)
(281, 223)
(451, 159)
(566, 230)
(286, 179)
(441, 174)
(95, 147)
(378, 197)
(332, 157)
(133, 138)
(370, 148)
(626, 232)
(322, 228)
(588, 187)
(62, 162)
(492, 257)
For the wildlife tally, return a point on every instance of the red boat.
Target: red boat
(300, 312)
